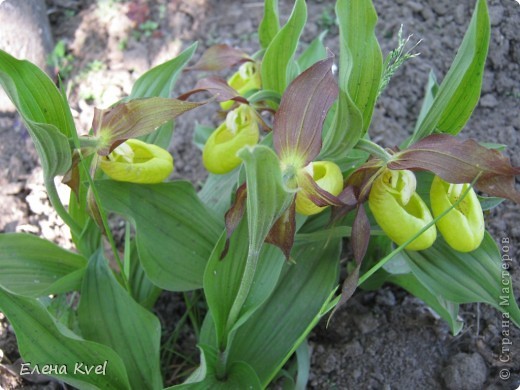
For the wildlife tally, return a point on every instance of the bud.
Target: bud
(240, 129)
(246, 79)
(327, 176)
(463, 226)
(399, 210)
(137, 162)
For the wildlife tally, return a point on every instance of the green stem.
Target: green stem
(60, 209)
(234, 312)
(106, 227)
(373, 148)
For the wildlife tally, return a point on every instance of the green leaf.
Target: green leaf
(240, 376)
(290, 313)
(217, 191)
(315, 52)
(303, 355)
(44, 341)
(175, 232)
(459, 92)
(44, 112)
(267, 199)
(432, 87)
(34, 267)
(476, 276)
(278, 56)
(160, 80)
(229, 272)
(108, 315)
(270, 24)
(361, 61)
(143, 290)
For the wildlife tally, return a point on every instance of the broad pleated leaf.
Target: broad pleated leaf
(217, 190)
(461, 161)
(466, 277)
(239, 376)
(34, 267)
(291, 311)
(42, 340)
(277, 62)
(299, 120)
(360, 69)
(175, 232)
(459, 92)
(43, 110)
(223, 277)
(108, 315)
(267, 199)
(270, 24)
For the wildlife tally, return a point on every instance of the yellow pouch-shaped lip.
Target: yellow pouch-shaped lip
(399, 210)
(220, 151)
(327, 176)
(137, 162)
(463, 227)
(244, 80)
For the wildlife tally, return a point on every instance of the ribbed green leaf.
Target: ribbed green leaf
(229, 272)
(143, 290)
(240, 376)
(108, 315)
(277, 62)
(175, 232)
(361, 61)
(44, 341)
(217, 191)
(360, 68)
(466, 277)
(267, 199)
(35, 267)
(459, 92)
(270, 24)
(290, 313)
(45, 113)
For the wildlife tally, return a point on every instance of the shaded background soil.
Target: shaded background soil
(379, 340)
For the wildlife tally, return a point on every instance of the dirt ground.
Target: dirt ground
(379, 340)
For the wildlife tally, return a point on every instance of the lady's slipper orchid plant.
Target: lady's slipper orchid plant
(463, 226)
(136, 161)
